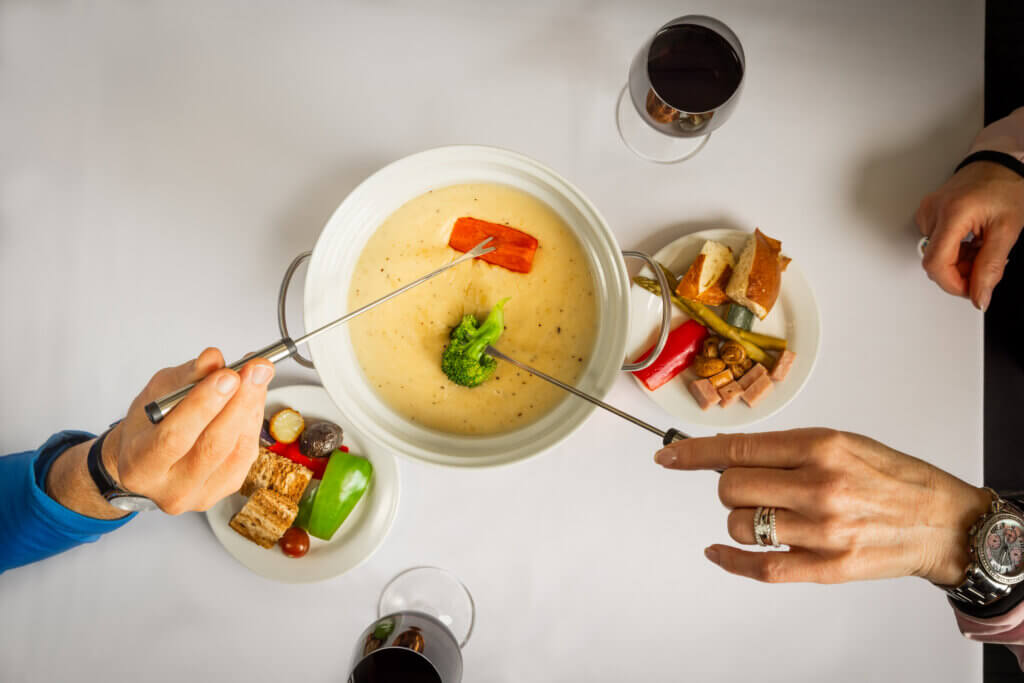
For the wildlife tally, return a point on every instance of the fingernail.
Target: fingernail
(261, 374)
(227, 383)
(711, 554)
(666, 457)
(984, 300)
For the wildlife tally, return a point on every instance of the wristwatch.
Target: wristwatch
(996, 548)
(111, 492)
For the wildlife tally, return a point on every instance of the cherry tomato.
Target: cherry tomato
(295, 542)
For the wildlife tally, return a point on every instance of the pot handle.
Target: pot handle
(282, 297)
(666, 312)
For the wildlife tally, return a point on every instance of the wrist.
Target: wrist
(110, 451)
(69, 483)
(950, 555)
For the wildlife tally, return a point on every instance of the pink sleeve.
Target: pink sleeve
(1005, 135)
(1006, 629)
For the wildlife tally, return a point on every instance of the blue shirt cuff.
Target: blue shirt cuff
(32, 524)
(73, 521)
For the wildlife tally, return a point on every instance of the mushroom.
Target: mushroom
(706, 367)
(733, 352)
(710, 347)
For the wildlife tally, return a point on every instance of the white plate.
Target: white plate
(360, 535)
(795, 316)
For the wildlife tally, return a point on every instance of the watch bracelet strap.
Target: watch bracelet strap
(976, 588)
(976, 592)
(1002, 158)
(100, 476)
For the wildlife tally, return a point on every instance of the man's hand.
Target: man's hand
(200, 453)
(849, 507)
(981, 198)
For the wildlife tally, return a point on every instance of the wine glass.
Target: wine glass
(424, 619)
(683, 83)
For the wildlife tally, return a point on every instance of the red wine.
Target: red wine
(407, 647)
(692, 68)
(395, 665)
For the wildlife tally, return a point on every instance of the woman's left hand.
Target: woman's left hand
(849, 508)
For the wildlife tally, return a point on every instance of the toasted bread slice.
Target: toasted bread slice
(265, 517)
(756, 280)
(707, 277)
(277, 473)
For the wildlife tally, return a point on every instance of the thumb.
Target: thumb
(990, 262)
(172, 379)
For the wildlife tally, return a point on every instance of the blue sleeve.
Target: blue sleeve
(34, 526)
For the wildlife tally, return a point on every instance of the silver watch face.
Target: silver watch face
(132, 503)
(1000, 547)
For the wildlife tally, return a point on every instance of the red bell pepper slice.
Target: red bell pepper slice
(681, 348)
(292, 452)
(514, 249)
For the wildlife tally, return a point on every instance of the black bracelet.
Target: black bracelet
(1002, 158)
(94, 462)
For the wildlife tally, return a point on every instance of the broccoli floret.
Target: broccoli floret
(464, 360)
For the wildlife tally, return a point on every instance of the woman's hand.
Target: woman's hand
(198, 454)
(981, 198)
(849, 507)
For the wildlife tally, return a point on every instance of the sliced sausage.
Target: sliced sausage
(705, 393)
(730, 393)
(758, 390)
(752, 375)
(783, 365)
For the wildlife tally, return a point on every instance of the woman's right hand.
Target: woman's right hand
(849, 507)
(202, 451)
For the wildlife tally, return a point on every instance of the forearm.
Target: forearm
(70, 484)
(34, 525)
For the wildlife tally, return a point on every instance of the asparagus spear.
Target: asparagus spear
(765, 341)
(706, 316)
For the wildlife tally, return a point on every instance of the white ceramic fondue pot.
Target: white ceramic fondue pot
(333, 261)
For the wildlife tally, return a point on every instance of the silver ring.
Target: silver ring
(762, 527)
(922, 246)
(774, 536)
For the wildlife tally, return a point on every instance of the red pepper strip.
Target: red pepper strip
(514, 249)
(292, 452)
(681, 348)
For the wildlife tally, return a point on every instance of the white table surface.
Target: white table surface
(161, 163)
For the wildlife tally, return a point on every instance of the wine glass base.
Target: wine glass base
(432, 591)
(646, 142)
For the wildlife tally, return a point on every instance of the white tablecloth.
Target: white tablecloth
(161, 162)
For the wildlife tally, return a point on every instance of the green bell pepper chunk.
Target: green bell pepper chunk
(344, 482)
(306, 505)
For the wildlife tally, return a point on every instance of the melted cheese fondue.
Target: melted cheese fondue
(550, 319)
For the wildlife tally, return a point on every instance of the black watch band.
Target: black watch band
(111, 492)
(104, 482)
(1002, 158)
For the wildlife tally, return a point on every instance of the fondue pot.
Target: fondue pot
(332, 263)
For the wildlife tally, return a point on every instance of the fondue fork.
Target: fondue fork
(667, 437)
(286, 347)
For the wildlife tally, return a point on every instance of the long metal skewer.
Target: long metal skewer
(287, 347)
(478, 250)
(667, 437)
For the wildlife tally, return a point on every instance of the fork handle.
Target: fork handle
(278, 351)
